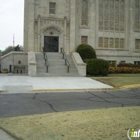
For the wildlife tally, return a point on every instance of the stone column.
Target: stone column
(31, 26)
(72, 25)
(39, 35)
(92, 22)
(26, 14)
(65, 34)
(131, 31)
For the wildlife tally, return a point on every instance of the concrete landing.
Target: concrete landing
(22, 84)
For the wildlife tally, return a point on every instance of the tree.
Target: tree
(7, 50)
(18, 48)
(11, 48)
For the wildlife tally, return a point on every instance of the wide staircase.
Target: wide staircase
(55, 65)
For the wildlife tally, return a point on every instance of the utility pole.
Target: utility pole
(13, 40)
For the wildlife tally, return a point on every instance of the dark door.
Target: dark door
(51, 44)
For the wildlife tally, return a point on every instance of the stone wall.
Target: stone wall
(13, 58)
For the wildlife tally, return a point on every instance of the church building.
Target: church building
(111, 27)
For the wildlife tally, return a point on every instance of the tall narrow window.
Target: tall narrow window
(137, 44)
(84, 12)
(137, 15)
(52, 8)
(101, 42)
(84, 40)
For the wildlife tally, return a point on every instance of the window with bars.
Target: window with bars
(137, 44)
(112, 15)
(84, 16)
(52, 8)
(84, 40)
(136, 62)
(105, 42)
(137, 15)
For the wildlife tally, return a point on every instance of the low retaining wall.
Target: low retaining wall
(32, 64)
(80, 65)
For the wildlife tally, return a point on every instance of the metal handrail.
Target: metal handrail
(46, 62)
(66, 60)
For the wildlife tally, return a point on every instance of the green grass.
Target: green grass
(107, 124)
(118, 80)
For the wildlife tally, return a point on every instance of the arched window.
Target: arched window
(84, 12)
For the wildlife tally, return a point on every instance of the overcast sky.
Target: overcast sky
(11, 22)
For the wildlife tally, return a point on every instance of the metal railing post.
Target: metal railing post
(61, 49)
(63, 55)
(47, 70)
(66, 60)
(68, 69)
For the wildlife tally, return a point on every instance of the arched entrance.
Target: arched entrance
(52, 39)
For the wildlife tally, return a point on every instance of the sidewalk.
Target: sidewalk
(18, 84)
(5, 136)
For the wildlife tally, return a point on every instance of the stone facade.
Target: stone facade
(112, 27)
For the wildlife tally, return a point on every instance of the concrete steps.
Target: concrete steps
(56, 66)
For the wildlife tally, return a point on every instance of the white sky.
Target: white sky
(11, 22)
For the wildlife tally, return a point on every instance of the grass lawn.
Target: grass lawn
(102, 124)
(118, 80)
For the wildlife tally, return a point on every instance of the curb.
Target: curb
(130, 86)
(78, 90)
(88, 89)
(71, 90)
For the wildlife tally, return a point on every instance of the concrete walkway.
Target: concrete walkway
(5, 136)
(15, 84)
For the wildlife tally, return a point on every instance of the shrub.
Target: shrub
(128, 65)
(4, 70)
(126, 70)
(97, 67)
(86, 51)
(125, 65)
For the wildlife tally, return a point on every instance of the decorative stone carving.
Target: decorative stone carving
(52, 22)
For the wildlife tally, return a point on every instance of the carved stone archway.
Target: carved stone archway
(52, 31)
